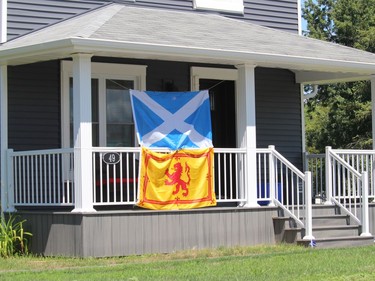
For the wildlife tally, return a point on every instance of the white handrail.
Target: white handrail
(344, 163)
(286, 162)
(292, 205)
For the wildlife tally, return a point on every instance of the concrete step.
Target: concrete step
(339, 242)
(336, 231)
(330, 229)
(325, 220)
(285, 229)
(284, 222)
(291, 235)
(325, 210)
(320, 210)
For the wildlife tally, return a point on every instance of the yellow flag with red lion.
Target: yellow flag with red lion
(182, 179)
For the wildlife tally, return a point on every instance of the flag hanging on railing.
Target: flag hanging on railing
(181, 122)
(181, 179)
(173, 120)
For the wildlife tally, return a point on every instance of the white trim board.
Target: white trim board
(232, 6)
(197, 73)
(100, 71)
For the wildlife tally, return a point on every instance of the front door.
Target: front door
(222, 103)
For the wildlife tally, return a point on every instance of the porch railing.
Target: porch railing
(115, 172)
(360, 160)
(316, 164)
(116, 183)
(347, 187)
(282, 184)
(45, 178)
(41, 178)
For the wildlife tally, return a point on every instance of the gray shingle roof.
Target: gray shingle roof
(196, 31)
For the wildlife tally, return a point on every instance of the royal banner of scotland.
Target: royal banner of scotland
(172, 120)
(182, 179)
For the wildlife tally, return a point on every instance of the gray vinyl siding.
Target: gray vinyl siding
(25, 16)
(278, 112)
(34, 106)
(34, 103)
(279, 14)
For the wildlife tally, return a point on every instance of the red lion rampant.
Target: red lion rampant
(175, 179)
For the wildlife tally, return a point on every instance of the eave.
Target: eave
(308, 69)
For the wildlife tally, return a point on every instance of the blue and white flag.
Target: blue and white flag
(173, 120)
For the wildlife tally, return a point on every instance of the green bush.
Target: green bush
(13, 238)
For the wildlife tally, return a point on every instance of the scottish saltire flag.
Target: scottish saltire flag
(172, 120)
(182, 179)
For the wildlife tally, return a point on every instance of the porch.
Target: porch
(44, 193)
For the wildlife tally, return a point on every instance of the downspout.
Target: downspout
(372, 82)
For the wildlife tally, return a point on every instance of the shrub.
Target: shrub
(13, 238)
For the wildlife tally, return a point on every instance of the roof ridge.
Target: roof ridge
(90, 29)
(85, 31)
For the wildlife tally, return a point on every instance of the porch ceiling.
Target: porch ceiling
(122, 31)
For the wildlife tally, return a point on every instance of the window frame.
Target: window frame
(102, 72)
(197, 73)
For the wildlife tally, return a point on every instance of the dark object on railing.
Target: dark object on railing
(263, 191)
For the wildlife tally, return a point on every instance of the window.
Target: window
(233, 6)
(112, 118)
(119, 117)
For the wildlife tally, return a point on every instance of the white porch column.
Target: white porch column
(82, 133)
(4, 137)
(246, 128)
(373, 109)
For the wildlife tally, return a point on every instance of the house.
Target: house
(56, 134)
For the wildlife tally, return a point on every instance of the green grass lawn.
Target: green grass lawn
(240, 263)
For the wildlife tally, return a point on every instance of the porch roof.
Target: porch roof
(123, 31)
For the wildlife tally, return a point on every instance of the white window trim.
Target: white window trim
(232, 6)
(197, 73)
(100, 71)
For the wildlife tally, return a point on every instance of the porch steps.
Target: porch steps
(330, 229)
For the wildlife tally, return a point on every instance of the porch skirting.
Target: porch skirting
(134, 232)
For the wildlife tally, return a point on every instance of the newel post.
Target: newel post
(365, 210)
(10, 182)
(328, 176)
(271, 166)
(308, 202)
